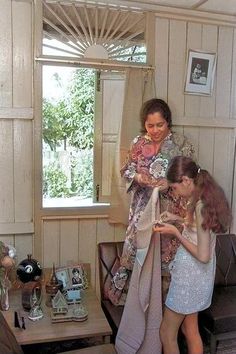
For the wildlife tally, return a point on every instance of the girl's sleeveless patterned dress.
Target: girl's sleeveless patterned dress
(192, 281)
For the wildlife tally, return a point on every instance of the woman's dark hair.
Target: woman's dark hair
(152, 106)
(216, 212)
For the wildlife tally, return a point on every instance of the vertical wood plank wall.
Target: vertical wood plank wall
(16, 125)
(208, 121)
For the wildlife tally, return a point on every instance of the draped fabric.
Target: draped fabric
(139, 328)
(139, 87)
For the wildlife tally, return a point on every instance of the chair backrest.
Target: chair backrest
(109, 254)
(225, 260)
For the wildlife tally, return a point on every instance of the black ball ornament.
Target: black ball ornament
(29, 270)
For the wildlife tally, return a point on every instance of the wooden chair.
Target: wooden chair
(8, 343)
(109, 254)
(219, 320)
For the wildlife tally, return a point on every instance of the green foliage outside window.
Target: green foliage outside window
(68, 124)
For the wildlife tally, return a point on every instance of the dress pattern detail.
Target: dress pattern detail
(192, 281)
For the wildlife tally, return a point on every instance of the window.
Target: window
(68, 136)
(82, 107)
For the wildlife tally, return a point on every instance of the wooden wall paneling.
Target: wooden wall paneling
(87, 245)
(8, 239)
(192, 133)
(22, 54)
(108, 153)
(222, 160)
(51, 243)
(24, 246)
(194, 41)
(206, 148)
(120, 231)
(178, 128)
(224, 72)
(162, 57)
(6, 172)
(69, 241)
(177, 58)
(5, 54)
(105, 233)
(233, 82)
(23, 170)
(209, 44)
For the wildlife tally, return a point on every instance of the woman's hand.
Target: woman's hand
(166, 229)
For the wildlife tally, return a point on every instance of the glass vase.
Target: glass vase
(4, 294)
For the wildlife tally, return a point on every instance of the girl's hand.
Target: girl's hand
(166, 229)
(166, 216)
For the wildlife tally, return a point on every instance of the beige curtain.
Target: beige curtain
(139, 87)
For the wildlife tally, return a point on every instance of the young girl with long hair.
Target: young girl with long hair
(193, 268)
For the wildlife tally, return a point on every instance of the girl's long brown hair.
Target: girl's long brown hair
(216, 212)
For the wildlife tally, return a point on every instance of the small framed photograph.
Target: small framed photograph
(63, 275)
(73, 277)
(76, 277)
(200, 73)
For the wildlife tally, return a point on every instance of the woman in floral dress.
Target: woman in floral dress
(144, 169)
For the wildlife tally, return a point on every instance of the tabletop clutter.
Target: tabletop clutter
(64, 291)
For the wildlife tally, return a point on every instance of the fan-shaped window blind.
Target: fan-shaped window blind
(82, 31)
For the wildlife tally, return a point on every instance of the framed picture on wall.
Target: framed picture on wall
(200, 73)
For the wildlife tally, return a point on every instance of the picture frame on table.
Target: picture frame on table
(200, 72)
(72, 277)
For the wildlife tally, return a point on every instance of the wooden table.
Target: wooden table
(43, 331)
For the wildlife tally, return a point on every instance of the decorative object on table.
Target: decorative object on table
(200, 73)
(7, 262)
(36, 312)
(16, 320)
(52, 287)
(59, 304)
(73, 277)
(29, 272)
(74, 312)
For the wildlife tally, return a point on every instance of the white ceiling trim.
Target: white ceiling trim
(141, 5)
(198, 4)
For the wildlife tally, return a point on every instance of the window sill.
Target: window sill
(84, 209)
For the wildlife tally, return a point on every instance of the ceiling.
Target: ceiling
(225, 7)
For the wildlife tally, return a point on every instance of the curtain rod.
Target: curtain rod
(91, 63)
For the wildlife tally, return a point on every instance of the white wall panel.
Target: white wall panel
(224, 72)
(6, 172)
(223, 161)
(209, 44)
(69, 241)
(51, 243)
(194, 41)
(88, 245)
(206, 148)
(162, 57)
(22, 54)
(24, 246)
(177, 55)
(5, 54)
(23, 170)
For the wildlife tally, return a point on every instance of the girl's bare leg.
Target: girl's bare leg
(169, 331)
(190, 330)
